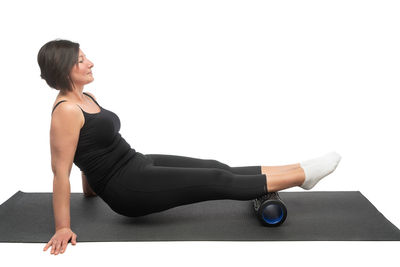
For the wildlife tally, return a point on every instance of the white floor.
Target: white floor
(208, 254)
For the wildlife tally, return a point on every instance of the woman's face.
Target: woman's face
(81, 72)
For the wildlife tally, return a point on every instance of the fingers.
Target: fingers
(48, 245)
(53, 248)
(59, 246)
(73, 240)
(59, 243)
(64, 246)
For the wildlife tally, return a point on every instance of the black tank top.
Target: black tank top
(101, 149)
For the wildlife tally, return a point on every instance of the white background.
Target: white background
(243, 82)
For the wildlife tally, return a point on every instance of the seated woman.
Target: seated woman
(131, 183)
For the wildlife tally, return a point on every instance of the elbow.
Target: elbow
(87, 190)
(89, 194)
(61, 179)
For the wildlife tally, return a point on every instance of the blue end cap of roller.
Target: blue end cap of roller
(272, 214)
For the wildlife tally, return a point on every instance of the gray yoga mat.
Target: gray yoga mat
(312, 216)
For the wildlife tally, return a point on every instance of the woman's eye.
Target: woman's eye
(81, 61)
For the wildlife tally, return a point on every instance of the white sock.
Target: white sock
(317, 168)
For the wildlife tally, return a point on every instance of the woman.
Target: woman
(132, 183)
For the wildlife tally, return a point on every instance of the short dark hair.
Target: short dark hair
(56, 59)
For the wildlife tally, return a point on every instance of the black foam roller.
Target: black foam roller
(270, 209)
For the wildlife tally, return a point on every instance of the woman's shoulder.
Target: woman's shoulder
(65, 99)
(58, 101)
(62, 105)
(66, 112)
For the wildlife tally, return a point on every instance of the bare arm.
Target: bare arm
(87, 190)
(61, 202)
(64, 134)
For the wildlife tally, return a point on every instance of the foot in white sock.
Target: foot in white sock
(317, 168)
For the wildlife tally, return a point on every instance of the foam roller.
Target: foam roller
(270, 209)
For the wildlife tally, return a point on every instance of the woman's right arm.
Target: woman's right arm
(64, 135)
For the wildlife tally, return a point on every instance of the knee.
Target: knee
(219, 165)
(221, 176)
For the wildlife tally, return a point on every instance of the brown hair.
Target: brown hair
(56, 59)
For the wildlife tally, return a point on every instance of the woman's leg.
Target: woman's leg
(182, 161)
(278, 177)
(149, 189)
(145, 187)
(190, 162)
(280, 168)
(277, 181)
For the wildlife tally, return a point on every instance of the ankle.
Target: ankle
(279, 169)
(302, 176)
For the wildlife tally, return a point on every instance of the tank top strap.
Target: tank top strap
(61, 102)
(92, 98)
(57, 105)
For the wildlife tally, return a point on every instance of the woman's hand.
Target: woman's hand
(60, 240)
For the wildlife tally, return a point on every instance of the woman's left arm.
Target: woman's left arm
(87, 190)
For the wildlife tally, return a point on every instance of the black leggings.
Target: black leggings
(151, 183)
